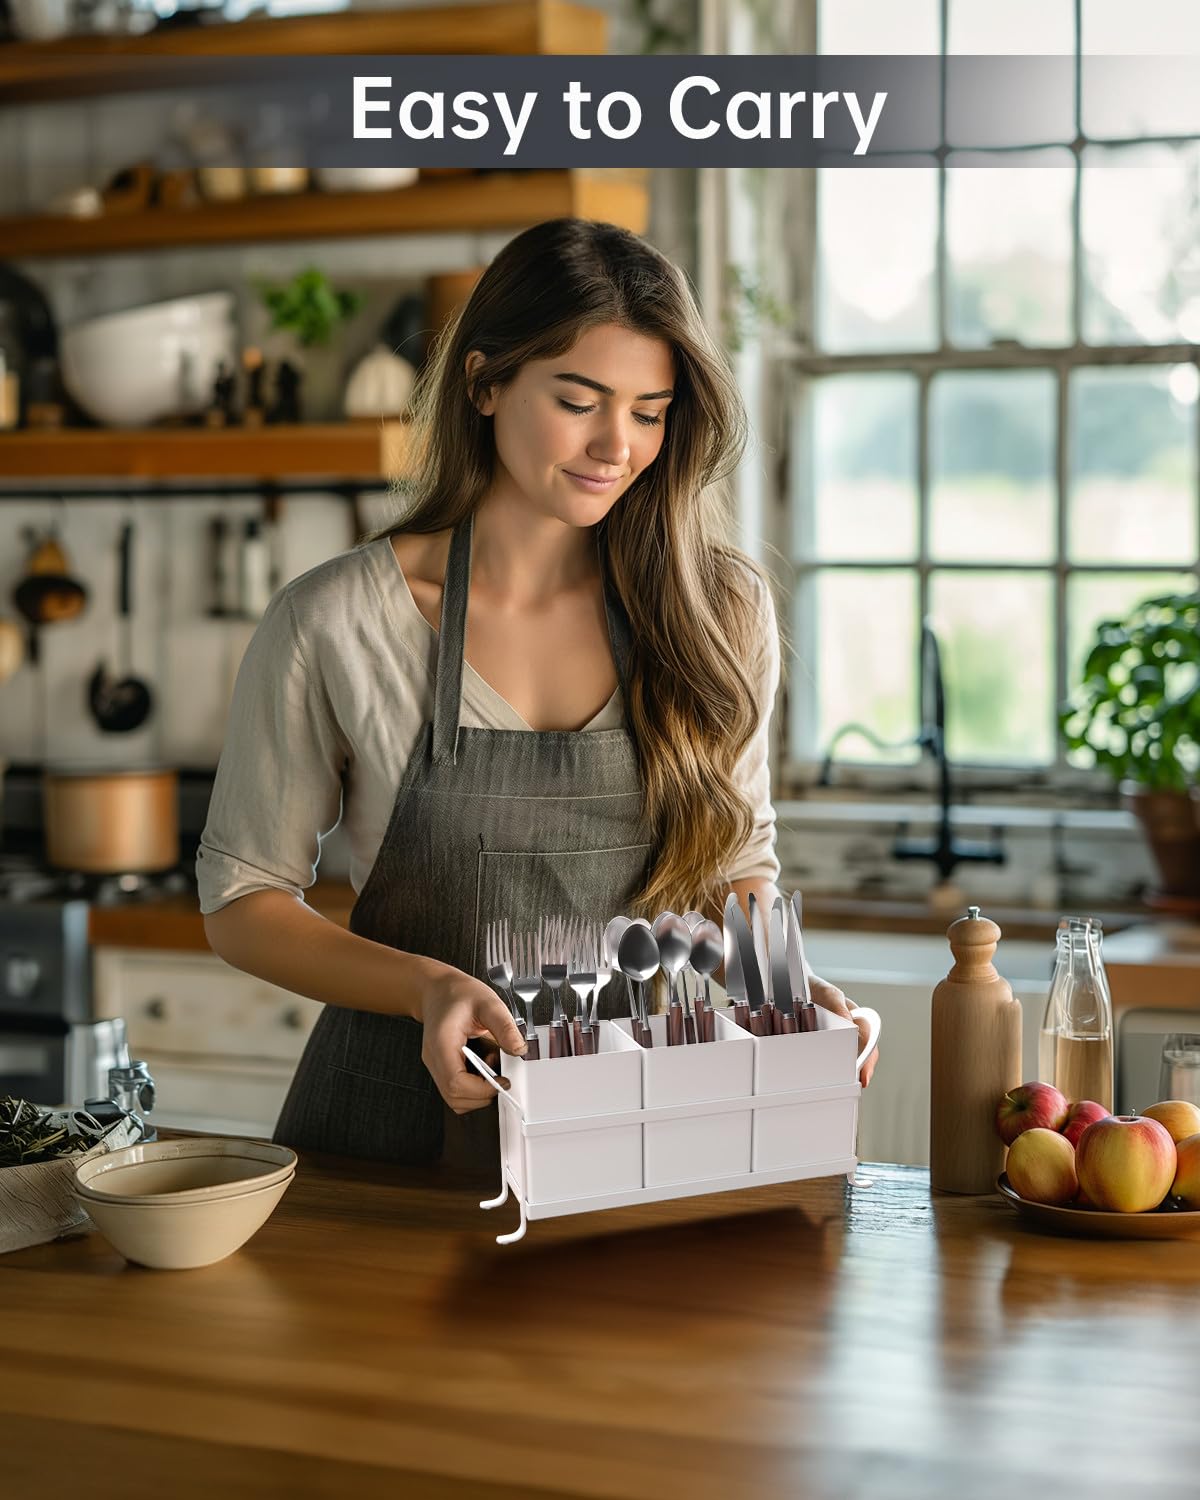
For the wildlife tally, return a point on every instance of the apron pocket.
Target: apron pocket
(525, 884)
(386, 1049)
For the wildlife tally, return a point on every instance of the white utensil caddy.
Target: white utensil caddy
(634, 1125)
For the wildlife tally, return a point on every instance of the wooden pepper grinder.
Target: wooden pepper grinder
(975, 1058)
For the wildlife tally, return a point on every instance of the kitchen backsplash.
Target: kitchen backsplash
(189, 658)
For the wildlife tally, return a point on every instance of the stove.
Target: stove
(24, 879)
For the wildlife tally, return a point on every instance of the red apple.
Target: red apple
(1186, 1186)
(1041, 1166)
(1126, 1163)
(1033, 1106)
(1082, 1113)
(1181, 1118)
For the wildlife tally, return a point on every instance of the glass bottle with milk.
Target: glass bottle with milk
(1075, 1049)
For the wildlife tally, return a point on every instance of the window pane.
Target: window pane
(873, 295)
(1123, 96)
(991, 466)
(997, 636)
(1092, 597)
(1132, 486)
(878, 27)
(1016, 27)
(1029, 28)
(860, 630)
(855, 441)
(1008, 251)
(1140, 234)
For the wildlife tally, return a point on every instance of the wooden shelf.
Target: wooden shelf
(76, 66)
(349, 450)
(478, 202)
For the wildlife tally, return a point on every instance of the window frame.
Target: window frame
(792, 359)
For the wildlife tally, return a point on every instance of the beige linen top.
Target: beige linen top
(332, 693)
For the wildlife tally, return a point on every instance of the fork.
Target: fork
(553, 950)
(499, 968)
(527, 986)
(604, 973)
(581, 976)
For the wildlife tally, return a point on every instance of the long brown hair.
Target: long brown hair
(693, 600)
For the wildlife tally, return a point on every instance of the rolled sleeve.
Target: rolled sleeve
(278, 788)
(757, 858)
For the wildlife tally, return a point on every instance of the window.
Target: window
(994, 421)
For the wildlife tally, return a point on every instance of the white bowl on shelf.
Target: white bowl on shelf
(365, 179)
(130, 369)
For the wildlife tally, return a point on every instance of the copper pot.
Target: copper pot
(111, 822)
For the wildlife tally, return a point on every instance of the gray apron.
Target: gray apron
(487, 823)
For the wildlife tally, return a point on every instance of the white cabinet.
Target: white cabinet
(222, 1045)
(895, 974)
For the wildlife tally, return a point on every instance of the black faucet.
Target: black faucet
(944, 849)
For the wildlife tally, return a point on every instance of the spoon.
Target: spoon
(694, 918)
(708, 949)
(637, 957)
(674, 940)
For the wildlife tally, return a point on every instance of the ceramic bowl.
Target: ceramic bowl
(365, 179)
(129, 369)
(185, 1171)
(180, 1236)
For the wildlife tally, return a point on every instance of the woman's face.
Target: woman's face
(596, 413)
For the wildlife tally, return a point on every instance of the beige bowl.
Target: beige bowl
(184, 1171)
(178, 1236)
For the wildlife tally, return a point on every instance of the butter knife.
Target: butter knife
(751, 973)
(735, 980)
(762, 1018)
(806, 1013)
(784, 1020)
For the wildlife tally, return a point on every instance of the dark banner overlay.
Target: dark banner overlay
(789, 111)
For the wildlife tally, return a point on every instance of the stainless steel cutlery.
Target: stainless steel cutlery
(766, 975)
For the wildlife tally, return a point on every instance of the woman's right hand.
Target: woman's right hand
(454, 1007)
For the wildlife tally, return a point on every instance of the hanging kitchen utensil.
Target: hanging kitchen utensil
(121, 704)
(48, 593)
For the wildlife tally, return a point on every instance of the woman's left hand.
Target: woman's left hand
(828, 995)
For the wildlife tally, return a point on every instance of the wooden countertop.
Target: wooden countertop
(809, 1340)
(175, 923)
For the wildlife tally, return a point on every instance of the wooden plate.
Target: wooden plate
(1158, 1224)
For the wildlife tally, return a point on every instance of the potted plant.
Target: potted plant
(309, 310)
(1136, 712)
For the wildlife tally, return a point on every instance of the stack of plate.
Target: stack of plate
(177, 1204)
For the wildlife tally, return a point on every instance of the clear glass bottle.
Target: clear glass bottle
(1075, 1048)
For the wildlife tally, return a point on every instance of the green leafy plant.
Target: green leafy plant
(1137, 708)
(309, 307)
(748, 305)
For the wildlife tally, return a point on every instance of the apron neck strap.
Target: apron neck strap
(452, 635)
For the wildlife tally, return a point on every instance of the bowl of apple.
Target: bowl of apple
(1075, 1168)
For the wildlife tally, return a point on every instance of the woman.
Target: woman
(604, 748)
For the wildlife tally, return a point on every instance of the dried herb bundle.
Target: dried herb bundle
(29, 1134)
